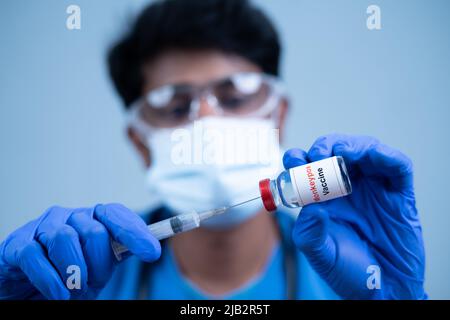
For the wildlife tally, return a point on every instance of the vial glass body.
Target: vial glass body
(313, 182)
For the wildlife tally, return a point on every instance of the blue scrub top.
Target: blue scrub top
(163, 279)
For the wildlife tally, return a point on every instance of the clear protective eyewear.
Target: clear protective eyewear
(248, 94)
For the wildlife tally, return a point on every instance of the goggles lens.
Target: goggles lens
(242, 94)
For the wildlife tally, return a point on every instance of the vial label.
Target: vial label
(318, 181)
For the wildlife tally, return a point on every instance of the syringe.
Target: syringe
(180, 223)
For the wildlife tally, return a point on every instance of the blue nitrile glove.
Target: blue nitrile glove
(346, 240)
(35, 259)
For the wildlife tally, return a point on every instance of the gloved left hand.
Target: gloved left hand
(40, 259)
(375, 229)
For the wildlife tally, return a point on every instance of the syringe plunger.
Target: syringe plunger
(164, 229)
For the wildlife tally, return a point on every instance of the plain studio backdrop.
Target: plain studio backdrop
(62, 132)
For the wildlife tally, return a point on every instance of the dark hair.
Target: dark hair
(231, 26)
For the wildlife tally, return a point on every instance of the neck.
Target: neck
(219, 261)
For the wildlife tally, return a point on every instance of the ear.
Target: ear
(281, 116)
(141, 148)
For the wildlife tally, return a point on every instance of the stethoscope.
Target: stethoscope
(290, 267)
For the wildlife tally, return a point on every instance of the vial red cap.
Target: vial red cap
(266, 195)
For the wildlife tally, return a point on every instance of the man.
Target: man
(216, 63)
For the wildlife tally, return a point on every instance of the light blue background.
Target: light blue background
(62, 128)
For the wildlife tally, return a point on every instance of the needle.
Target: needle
(238, 204)
(209, 213)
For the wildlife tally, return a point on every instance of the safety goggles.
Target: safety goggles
(247, 94)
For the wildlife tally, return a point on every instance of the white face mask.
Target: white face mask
(214, 162)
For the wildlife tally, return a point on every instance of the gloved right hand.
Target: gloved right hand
(37, 259)
(373, 231)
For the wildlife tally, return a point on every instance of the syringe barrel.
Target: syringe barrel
(164, 229)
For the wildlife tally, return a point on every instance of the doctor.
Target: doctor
(217, 62)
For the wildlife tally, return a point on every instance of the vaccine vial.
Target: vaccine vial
(313, 182)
